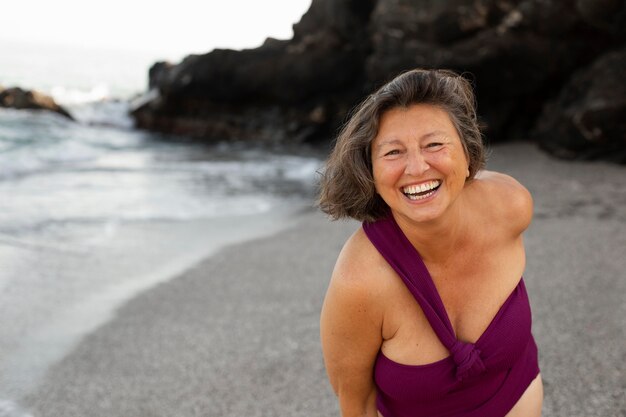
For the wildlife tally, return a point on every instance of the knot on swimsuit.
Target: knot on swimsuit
(467, 359)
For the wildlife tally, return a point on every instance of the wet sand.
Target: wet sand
(237, 335)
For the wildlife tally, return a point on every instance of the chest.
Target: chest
(472, 286)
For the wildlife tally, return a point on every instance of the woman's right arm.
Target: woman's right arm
(351, 324)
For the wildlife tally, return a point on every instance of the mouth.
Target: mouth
(421, 191)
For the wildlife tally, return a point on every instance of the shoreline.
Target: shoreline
(47, 312)
(219, 333)
(238, 333)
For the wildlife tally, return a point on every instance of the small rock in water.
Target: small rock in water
(18, 98)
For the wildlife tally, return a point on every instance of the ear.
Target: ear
(468, 173)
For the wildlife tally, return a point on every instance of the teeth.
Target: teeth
(416, 197)
(415, 189)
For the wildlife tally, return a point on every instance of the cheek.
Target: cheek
(385, 177)
(440, 159)
(454, 159)
(458, 169)
(380, 172)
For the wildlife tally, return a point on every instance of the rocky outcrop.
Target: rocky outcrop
(284, 90)
(17, 98)
(520, 55)
(588, 118)
(518, 52)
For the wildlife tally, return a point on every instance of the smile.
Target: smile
(421, 191)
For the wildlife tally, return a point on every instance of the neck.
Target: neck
(436, 240)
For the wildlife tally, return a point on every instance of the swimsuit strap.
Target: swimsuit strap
(399, 252)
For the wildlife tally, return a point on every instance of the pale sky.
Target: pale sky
(173, 27)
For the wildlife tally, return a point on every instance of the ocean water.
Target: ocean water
(94, 211)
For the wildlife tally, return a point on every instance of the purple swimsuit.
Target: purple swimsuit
(482, 379)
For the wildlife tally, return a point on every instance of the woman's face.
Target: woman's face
(419, 164)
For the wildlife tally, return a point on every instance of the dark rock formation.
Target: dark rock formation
(284, 90)
(588, 118)
(518, 52)
(520, 55)
(606, 15)
(17, 98)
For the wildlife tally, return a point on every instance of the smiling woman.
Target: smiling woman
(347, 185)
(418, 155)
(426, 313)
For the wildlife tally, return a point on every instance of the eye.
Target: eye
(392, 152)
(434, 146)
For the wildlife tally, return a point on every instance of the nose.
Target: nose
(416, 163)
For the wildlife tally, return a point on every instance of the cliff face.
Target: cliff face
(533, 63)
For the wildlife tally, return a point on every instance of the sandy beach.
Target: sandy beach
(237, 335)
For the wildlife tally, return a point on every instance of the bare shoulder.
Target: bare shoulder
(504, 198)
(359, 267)
(355, 292)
